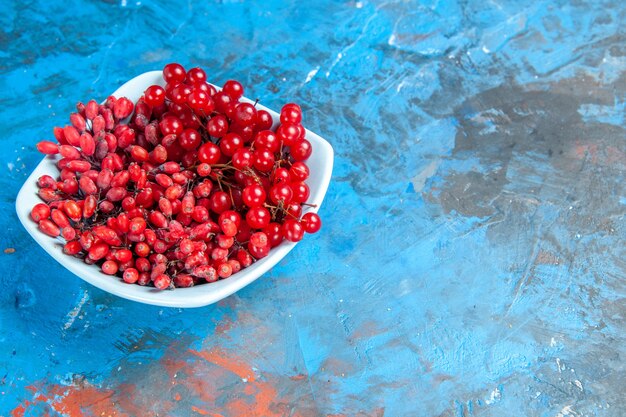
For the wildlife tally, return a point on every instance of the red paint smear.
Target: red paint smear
(223, 327)
(19, 410)
(199, 410)
(82, 401)
(219, 358)
(261, 398)
(298, 377)
(75, 402)
(204, 412)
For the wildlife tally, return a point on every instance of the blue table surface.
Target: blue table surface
(472, 260)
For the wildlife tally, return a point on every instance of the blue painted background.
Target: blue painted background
(472, 261)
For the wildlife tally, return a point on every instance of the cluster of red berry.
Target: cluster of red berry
(187, 185)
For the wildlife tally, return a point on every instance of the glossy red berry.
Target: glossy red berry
(264, 120)
(196, 75)
(209, 153)
(301, 150)
(258, 217)
(217, 126)
(154, 95)
(230, 143)
(253, 195)
(291, 113)
(281, 193)
(311, 222)
(245, 114)
(288, 133)
(162, 282)
(233, 89)
(171, 125)
(39, 212)
(292, 230)
(174, 73)
(189, 139)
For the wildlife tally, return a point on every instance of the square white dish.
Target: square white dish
(320, 163)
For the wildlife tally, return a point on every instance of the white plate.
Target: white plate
(320, 163)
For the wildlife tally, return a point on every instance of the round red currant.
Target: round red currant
(233, 89)
(258, 217)
(253, 195)
(174, 73)
(292, 230)
(154, 96)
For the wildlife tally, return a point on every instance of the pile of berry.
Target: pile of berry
(188, 185)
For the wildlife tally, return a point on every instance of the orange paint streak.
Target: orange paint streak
(19, 410)
(177, 397)
(79, 402)
(219, 358)
(199, 410)
(299, 377)
(224, 326)
(204, 412)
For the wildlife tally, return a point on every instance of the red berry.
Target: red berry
(123, 108)
(209, 153)
(264, 120)
(39, 212)
(263, 160)
(180, 94)
(258, 251)
(253, 195)
(291, 113)
(280, 175)
(47, 147)
(232, 215)
(245, 114)
(301, 192)
(311, 222)
(196, 75)
(274, 234)
(259, 239)
(281, 193)
(162, 282)
(49, 228)
(233, 89)
(68, 233)
(244, 258)
(224, 270)
(154, 96)
(288, 133)
(242, 158)
(217, 126)
(110, 267)
(131, 275)
(258, 217)
(174, 73)
(266, 139)
(230, 143)
(292, 230)
(171, 125)
(72, 248)
(220, 202)
(183, 281)
(301, 150)
(299, 171)
(229, 228)
(189, 139)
